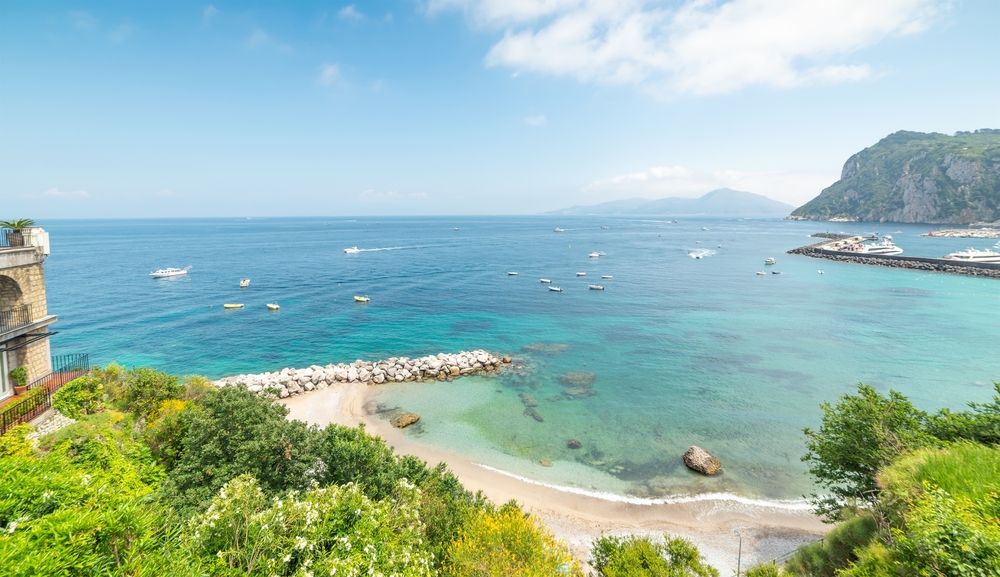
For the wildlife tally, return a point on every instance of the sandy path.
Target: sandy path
(768, 532)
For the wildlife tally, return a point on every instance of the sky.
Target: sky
(436, 107)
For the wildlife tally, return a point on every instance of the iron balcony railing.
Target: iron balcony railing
(15, 318)
(10, 238)
(38, 397)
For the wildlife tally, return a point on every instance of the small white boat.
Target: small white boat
(821, 271)
(232, 306)
(244, 282)
(456, 228)
(512, 273)
(364, 299)
(555, 289)
(604, 227)
(596, 287)
(352, 250)
(544, 280)
(593, 255)
(560, 230)
(770, 261)
(607, 276)
(775, 272)
(169, 272)
(581, 274)
(273, 306)
(762, 272)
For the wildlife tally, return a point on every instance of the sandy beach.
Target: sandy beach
(769, 532)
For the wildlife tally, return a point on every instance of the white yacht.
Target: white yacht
(581, 274)
(555, 289)
(882, 247)
(770, 260)
(973, 255)
(169, 272)
(595, 287)
(594, 255)
(544, 280)
(761, 272)
(607, 276)
(352, 250)
(512, 273)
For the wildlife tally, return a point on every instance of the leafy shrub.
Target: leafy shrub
(142, 389)
(82, 396)
(14, 443)
(196, 388)
(236, 432)
(859, 435)
(334, 530)
(837, 551)
(349, 455)
(507, 542)
(641, 555)
(768, 569)
(19, 375)
(981, 424)
(166, 429)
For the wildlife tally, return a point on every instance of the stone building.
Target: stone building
(24, 314)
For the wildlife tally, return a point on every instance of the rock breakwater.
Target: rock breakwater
(827, 250)
(443, 366)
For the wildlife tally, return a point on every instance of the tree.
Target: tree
(237, 432)
(642, 556)
(859, 435)
(980, 424)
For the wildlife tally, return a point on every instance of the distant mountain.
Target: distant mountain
(721, 202)
(916, 177)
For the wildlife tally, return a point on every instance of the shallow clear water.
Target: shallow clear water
(683, 351)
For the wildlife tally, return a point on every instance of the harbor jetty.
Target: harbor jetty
(834, 245)
(965, 233)
(443, 366)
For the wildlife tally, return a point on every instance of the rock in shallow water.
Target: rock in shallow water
(405, 420)
(698, 459)
(574, 444)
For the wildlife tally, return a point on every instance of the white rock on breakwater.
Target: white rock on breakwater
(395, 369)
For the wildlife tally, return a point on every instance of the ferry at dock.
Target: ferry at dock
(884, 247)
(973, 255)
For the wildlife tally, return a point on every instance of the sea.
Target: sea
(675, 351)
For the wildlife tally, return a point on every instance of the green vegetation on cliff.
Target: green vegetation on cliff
(917, 178)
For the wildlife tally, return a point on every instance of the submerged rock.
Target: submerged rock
(533, 414)
(528, 399)
(546, 348)
(574, 444)
(578, 393)
(698, 459)
(545, 462)
(405, 420)
(579, 379)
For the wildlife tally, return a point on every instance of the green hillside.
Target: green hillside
(918, 178)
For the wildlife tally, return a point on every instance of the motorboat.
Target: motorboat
(273, 306)
(244, 283)
(544, 280)
(169, 272)
(352, 250)
(775, 272)
(555, 289)
(607, 276)
(762, 272)
(594, 255)
(560, 230)
(595, 287)
(581, 274)
(358, 299)
(512, 273)
(973, 255)
(604, 227)
(232, 306)
(821, 271)
(601, 254)
(456, 228)
(770, 261)
(704, 228)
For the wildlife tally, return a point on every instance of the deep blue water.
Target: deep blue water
(685, 351)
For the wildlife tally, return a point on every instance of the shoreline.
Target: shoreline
(770, 530)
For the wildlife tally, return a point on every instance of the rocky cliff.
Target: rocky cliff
(918, 178)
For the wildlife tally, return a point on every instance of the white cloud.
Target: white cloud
(793, 187)
(82, 20)
(260, 39)
(209, 12)
(699, 47)
(535, 120)
(56, 193)
(372, 195)
(350, 12)
(122, 32)
(329, 74)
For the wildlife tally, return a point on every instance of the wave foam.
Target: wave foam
(389, 248)
(700, 253)
(789, 504)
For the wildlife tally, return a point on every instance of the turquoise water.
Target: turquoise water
(683, 351)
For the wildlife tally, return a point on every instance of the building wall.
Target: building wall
(30, 283)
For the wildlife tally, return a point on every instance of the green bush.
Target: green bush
(837, 550)
(166, 429)
(142, 389)
(981, 424)
(19, 375)
(82, 396)
(334, 530)
(768, 569)
(642, 556)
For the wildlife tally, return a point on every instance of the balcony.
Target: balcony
(14, 318)
(38, 398)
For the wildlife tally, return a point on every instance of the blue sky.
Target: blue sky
(164, 109)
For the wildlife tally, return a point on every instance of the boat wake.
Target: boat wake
(789, 504)
(390, 248)
(701, 253)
